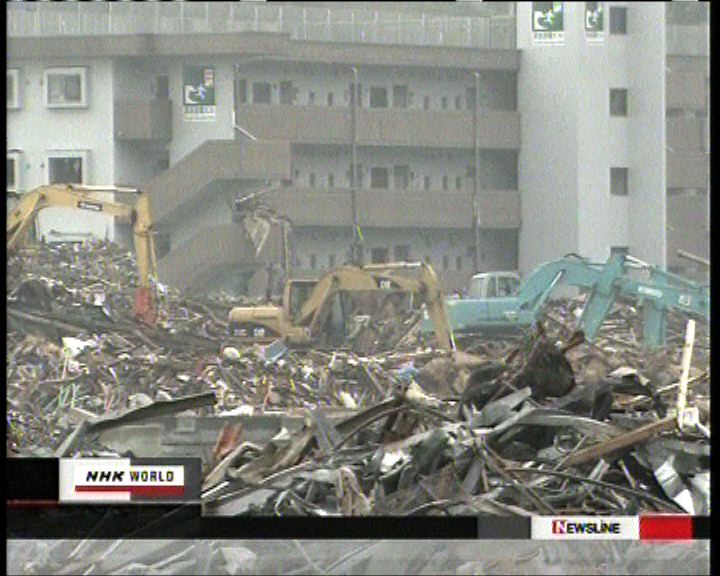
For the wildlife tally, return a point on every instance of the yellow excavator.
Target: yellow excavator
(310, 305)
(22, 216)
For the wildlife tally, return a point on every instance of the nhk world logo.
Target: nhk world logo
(92, 480)
(580, 528)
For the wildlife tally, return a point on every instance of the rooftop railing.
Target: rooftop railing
(35, 19)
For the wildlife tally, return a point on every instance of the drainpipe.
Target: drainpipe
(476, 179)
(353, 178)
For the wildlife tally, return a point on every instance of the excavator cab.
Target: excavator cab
(296, 294)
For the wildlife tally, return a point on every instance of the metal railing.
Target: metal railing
(330, 25)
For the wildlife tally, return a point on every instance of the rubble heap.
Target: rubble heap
(544, 423)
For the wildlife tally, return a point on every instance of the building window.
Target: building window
(286, 93)
(618, 20)
(426, 182)
(445, 182)
(443, 102)
(619, 181)
(312, 180)
(261, 93)
(311, 98)
(13, 89)
(379, 255)
(470, 97)
(458, 183)
(458, 263)
(331, 261)
(13, 172)
(618, 102)
(402, 253)
(359, 92)
(313, 261)
(379, 178)
(240, 91)
(378, 97)
(615, 250)
(162, 87)
(65, 88)
(330, 98)
(458, 102)
(400, 96)
(331, 180)
(426, 103)
(66, 168)
(400, 176)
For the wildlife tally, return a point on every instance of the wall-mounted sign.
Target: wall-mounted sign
(594, 22)
(199, 93)
(548, 25)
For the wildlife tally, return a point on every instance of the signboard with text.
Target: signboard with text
(199, 93)
(594, 22)
(548, 26)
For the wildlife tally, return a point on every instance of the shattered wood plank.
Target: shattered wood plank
(623, 441)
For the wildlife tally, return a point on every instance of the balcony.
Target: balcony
(687, 134)
(688, 39)
(143, 120)
(397, 208)
(687, 170)
(381, 127)
(688, 90)
(336, 24)
(500, 209)
(688, 227)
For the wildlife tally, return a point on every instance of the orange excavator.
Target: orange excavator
(22, 216)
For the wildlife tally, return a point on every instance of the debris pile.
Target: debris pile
(541, 424)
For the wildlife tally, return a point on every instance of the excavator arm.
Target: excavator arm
(427, 286)
(23, 215)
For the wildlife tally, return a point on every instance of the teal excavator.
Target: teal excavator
(656, 291)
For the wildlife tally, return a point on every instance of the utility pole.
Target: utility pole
(353, 178)
(476, 180)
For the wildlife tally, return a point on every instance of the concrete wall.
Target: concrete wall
(646, 142)
(570, 141)
(36, 131)
(547, 162)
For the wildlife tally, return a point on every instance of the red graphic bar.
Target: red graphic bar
(136, 490)
(666, 528)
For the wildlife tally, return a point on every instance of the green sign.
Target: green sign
(199, 92)
(594, 21)
(548, 26)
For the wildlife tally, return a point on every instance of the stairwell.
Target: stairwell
(200, 246)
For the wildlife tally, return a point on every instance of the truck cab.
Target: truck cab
(494, 285)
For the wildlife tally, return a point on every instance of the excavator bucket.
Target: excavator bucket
(144, 306)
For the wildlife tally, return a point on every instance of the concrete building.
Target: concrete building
(474, 147)
(615, 134)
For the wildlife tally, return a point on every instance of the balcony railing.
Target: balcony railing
(302, 23)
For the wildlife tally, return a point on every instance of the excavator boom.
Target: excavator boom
(658, 293)
(23, 215)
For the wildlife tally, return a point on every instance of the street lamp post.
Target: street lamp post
(353, 178)
(476, 180)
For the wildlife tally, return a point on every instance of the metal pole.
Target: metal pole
(476, 180)
(353, 179)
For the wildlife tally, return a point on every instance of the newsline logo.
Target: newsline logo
(585, 528)
(597, 527)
